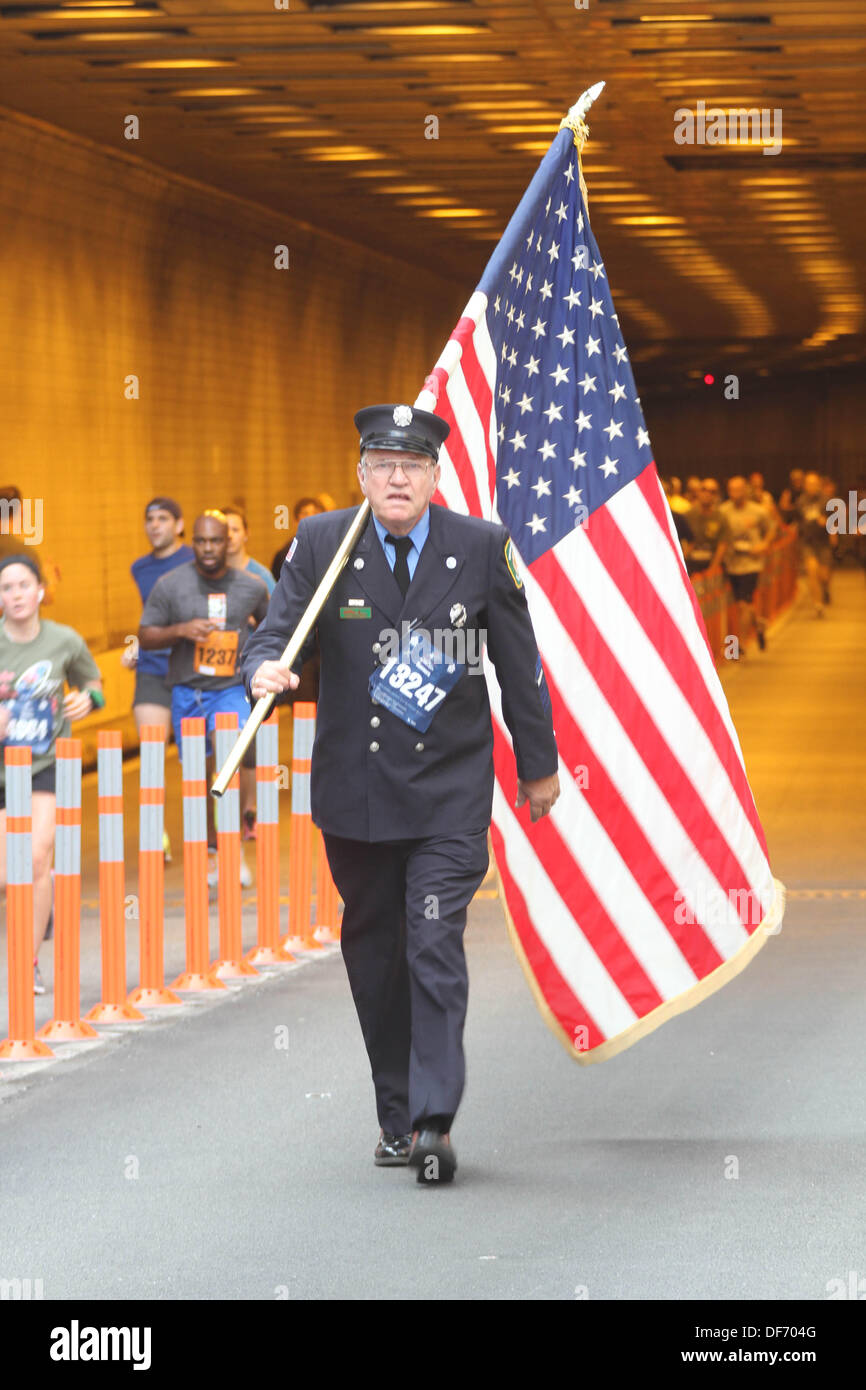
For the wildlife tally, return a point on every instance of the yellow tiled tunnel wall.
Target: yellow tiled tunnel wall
(248, 375)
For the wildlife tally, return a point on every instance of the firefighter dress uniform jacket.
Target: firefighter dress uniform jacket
(374, 776)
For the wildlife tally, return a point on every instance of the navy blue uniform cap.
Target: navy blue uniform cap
(401, 427)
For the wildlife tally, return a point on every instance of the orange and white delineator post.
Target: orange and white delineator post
(112, 1008)
(67, 1025)
(197, 974)
(22, 1045)
(300, 935)
(151, 991)
(231, 963)
(268, 950)
(327, 897)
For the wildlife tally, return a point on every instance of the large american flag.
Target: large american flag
(648, 886)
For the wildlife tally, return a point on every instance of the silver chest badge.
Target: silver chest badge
(457, 616)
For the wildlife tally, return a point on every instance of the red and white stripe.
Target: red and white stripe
(651, 872)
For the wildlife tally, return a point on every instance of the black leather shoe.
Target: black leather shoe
(433, 1157)
(392, 1150)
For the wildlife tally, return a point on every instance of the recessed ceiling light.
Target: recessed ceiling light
(331, 6)
(649, 221)
(676, 18)
(437, 58)
(474, 87)
(549, 127)
(406, 188)
(121, 36)
(338, 154)
(413, 31)
(435, 200)
(793, 179)
(456, 212)
(112, 11)
(308, 133)
(210, 92)
(182, 63)
(288, 118)
(500, 106)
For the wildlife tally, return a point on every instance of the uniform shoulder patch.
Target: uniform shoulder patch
(511, 562)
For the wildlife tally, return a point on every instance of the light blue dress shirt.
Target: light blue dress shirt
(418, 535)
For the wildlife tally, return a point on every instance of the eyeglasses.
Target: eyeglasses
(384, 468)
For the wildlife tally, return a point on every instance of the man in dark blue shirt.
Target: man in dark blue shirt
(151, 703)
(163, 524)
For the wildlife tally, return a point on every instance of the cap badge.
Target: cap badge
(402, 416)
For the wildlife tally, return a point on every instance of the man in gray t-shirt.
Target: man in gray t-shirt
(750, 531)
(204, 611)
(209, 613)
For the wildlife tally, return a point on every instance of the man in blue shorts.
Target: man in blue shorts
(151, 703)
(163, 525)
(202, 611)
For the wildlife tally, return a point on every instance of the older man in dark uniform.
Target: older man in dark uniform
(402, 767)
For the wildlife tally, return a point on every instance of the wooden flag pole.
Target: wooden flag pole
(262, 707)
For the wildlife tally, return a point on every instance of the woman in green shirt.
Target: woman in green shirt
(38, 659)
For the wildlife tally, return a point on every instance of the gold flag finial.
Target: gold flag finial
(575, 121)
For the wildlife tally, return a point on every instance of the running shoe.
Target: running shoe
(38, 982)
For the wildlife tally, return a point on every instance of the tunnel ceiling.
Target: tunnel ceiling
(415, 128)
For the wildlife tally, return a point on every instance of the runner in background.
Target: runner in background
(239, 534)
(37, 658)
(816, 543)
(758, 493)
(749, 531)
(14, 511)
(789, 497)
(202, 612)
(710, 531)
(151, 703)
(305, 506)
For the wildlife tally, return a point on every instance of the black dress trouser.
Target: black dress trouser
(402, 942)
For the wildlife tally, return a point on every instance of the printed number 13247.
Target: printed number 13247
(401, 677)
